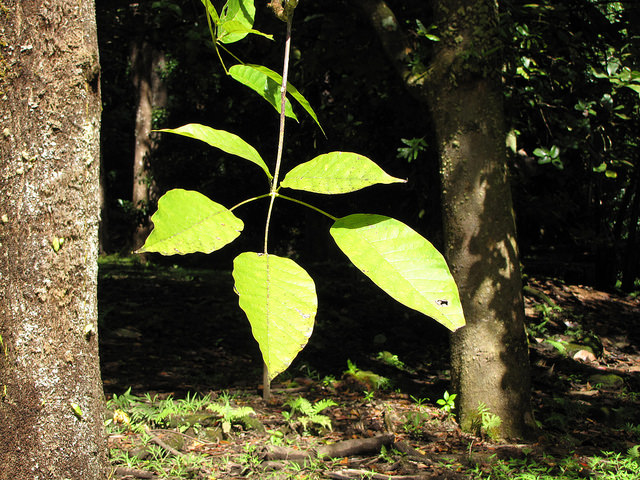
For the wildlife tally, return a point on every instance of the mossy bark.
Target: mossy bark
(51, 405)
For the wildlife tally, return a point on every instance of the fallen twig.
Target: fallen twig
(155, 439)
(345, 448)
(134, 472)
(349, 474)
(412, 453)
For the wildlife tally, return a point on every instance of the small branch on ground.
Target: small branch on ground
(349, 474)
(155, 439)
(346, 448)
(134, 472)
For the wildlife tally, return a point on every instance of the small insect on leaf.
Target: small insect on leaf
(442, 302)
(77, 411)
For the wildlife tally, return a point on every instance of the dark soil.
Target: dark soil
(171, 330)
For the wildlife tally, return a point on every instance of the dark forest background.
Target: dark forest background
(571, 93)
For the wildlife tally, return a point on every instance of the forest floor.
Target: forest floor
(182, 375)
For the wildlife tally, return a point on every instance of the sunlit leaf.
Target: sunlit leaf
(291, 90)
(403, 263)
(188, 222)
(263, 85)
(236, 20)
(337, 172)
(225, 141)
(234, 31)
(279, 299)
(211, 11)
(633, 86)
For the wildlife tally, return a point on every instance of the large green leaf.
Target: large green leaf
(235, 30)
(291, 90)
(268, 88)
(336, 172)
(188, 222)
(279, 299)
(236, 20)
(402, 263)
(225, 141)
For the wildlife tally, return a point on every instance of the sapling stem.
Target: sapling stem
(283, 98)
(266, 382)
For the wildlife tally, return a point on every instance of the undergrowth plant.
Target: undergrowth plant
(277, 295)
(231, 415)
(308, 414)
(486, 423)
(448, 403)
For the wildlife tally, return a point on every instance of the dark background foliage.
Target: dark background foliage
(573, 121)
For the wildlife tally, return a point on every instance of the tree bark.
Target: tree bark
(489, 356)
(145, 61)
(51, 400)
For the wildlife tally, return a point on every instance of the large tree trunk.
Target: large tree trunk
(51, 400)
(151, 93)
(489, 356)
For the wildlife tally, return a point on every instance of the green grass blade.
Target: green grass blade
(337, 172)
(403, 263)
(279, 299)
(188, 222)
(225, 141)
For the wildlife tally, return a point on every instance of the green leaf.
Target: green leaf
(262, 79)
(236, 20)
(225, 141)
(232, 30)
(211, 11)
(279, 299)
(402, 263)
(293, 91)
(633, 86)
(188, 222)
(77, 411)
(600, 168)
(541, 152)
(337, 172)
(266, 87)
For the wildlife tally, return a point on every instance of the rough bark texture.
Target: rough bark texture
(51, 400)
(152, 93)
(489, 357)
(490, 363)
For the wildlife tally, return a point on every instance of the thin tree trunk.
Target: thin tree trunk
(146, 61)
(630, 265)
(51, 400)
